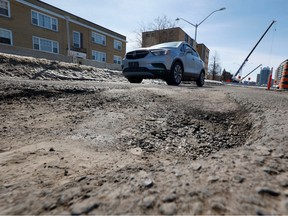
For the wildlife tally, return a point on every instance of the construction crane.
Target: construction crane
(247, 58)
(250, 73)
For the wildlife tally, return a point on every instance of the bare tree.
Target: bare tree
(138, 33)
(215, 67)
(159, 23)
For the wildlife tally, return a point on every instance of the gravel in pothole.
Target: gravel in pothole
(192, 133)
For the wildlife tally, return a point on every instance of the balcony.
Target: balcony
(77, 49)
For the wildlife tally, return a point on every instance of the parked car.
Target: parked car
(172, 62)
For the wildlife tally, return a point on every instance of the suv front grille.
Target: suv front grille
(137, 54)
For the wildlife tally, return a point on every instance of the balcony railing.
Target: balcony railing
(77, 49)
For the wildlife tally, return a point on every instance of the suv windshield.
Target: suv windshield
(167, 45)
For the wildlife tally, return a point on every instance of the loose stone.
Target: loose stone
(168, 209)
(268, 191)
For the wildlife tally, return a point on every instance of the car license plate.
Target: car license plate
(133, 64)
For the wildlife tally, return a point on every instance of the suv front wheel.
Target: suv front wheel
(175, 75)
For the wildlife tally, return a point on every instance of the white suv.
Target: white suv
(173, 62)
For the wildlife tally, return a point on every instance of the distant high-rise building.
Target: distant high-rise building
(258, 79)
(264, 75)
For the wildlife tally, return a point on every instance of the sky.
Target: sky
(230, 34)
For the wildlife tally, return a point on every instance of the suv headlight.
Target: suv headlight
(160, 52)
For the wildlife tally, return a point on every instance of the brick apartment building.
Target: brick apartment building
(204, 54)
(174, 34)
(35, 25)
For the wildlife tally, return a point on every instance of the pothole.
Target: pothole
(192, 133)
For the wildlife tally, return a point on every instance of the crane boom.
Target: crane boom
(253, 49)
(251, 72)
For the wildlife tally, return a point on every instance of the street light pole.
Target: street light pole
(196, 25)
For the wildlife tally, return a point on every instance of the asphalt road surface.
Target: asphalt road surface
(102, 147)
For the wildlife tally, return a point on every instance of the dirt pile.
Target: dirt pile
(42, 69)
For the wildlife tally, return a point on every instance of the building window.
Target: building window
(98, 56)
(117, 45)
(98, 38)
(45, 45)
(5, 8)
(44, 21)
(117, 60)
(5, 36)
(77, 39)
